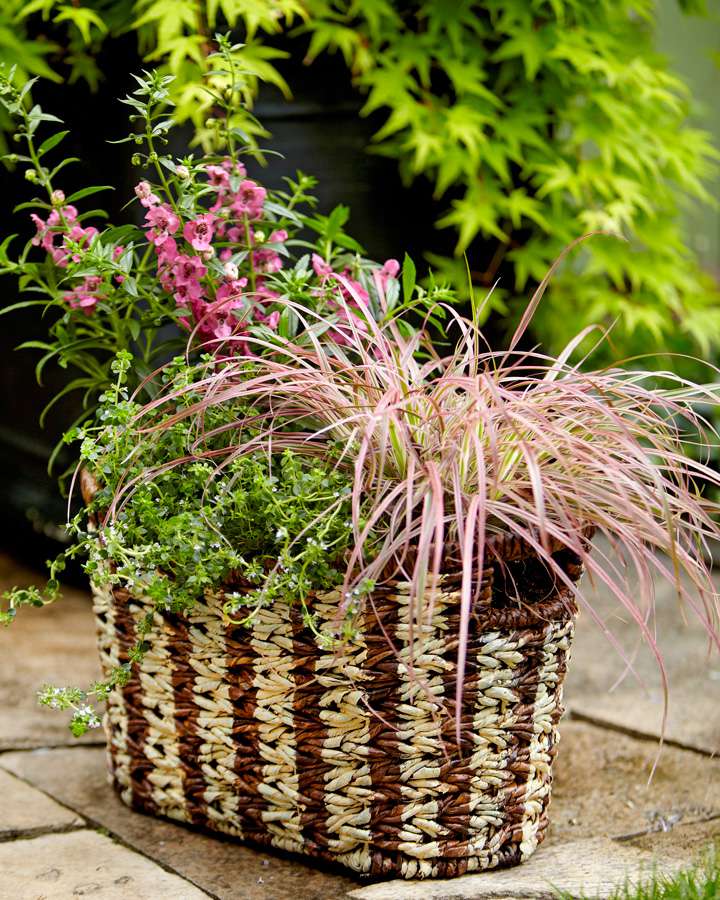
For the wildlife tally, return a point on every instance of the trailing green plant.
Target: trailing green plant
(538, 121)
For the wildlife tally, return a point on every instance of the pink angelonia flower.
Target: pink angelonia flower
(42, 227)
(218, 177)
(82, 301)
(272, 320)
(322, 269)
(58, 217)
(278, 237)
(231, 291)
(263, 294)
(167, 252)
(240, 169)
(249, 200)
(83, 237)
(144, 193)
(117, 253)
(163, 222)
(266, 260)
(199, 232)
(187, 268)
(390, 268)
(84, 296)
(185, 294)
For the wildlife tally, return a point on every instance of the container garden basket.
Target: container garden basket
(260, 733)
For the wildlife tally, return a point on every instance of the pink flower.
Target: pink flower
(167, 252)
(144, 193)
(240, 169)
(271, 321)
(163, 222)
(322, 269)
(67, 213)
(83, 297)
(218, 177)
(117, 253)
(42, 227)
(279, 236)
(231, 292)
(199, 232)
(249, 200)
(390, 268)
(188, 292)
(266, 260)
(187, 268)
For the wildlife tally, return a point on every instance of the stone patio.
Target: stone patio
(63, 832)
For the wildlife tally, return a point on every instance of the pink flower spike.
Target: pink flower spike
(163, 222)
(144, 193)
(199, 232)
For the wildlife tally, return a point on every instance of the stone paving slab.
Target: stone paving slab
(85, 863)
(25, 810)
(694, 676)
(226, 869)
(593, 866)
(53, 645)
(600, 793)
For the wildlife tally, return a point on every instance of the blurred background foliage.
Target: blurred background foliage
(512, 126)
(533, 120)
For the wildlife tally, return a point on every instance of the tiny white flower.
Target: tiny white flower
(231, 270)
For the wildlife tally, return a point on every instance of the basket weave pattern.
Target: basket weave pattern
(259, 733)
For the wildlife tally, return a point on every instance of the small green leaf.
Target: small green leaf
(409, 274)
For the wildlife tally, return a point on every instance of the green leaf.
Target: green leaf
(51, 142)
(408, 278)
(86, 192)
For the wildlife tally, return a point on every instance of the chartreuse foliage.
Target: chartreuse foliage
(536, 120)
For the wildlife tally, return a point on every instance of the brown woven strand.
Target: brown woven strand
(263, 734)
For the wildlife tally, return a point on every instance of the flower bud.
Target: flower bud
(259, 237)
(57, 198)
(231, 270)
(31, 175)
(135, 159)
(182, 172)
(208, 254)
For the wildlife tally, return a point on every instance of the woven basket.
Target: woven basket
(261, 734)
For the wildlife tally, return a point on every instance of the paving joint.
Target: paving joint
(607, 725)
